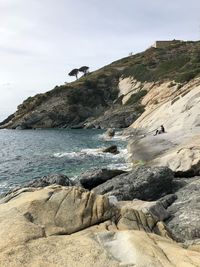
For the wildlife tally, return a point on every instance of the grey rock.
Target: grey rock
(110, 132)
(167, 200)
(145, 183)
(93, 178)
(185, 211)
(58, 179)
(117, 117)
(111, 149)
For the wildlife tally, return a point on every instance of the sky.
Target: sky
(41, 41)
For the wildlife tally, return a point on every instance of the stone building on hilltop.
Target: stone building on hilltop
(163, 44)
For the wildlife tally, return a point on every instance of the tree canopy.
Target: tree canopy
(74, 72)
(84, 69)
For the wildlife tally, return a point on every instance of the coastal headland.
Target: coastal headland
(147, 216)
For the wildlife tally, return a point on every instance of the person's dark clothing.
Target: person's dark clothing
(162, 130)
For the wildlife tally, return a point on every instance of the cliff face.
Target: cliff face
(178, 109)
(115, 95)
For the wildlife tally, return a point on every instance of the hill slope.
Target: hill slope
(112, 95)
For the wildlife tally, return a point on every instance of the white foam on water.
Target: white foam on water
(120, 166)
(91, 152)
(80, 154)
(3, 185)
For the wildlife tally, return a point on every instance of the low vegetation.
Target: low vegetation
(135, 98)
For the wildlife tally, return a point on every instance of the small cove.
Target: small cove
(30, 154)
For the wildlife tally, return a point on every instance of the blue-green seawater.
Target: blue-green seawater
(29, 154)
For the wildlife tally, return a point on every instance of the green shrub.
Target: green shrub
(135, 98)
(139, 108)
(187, 76)
(91, 83)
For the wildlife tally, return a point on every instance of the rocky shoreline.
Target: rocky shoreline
(148, 216)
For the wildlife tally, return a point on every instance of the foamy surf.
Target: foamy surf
(97, 152)
(120, 166)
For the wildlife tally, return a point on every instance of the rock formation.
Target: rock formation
(42, 228)
(178, 148)
(142, 183)
(95, 177)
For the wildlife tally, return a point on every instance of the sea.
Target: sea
(30, 154)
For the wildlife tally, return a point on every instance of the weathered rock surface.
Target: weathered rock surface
(41, 227)
(184, 222)
(179, 111)
(58, 179)
(93, 178)
(142, 216)
(148, 250)
(44, 181)
(117, 117)
(55, 209)
(144, 183)
(103, 249)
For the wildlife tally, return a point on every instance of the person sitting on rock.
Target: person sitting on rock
(160, 131)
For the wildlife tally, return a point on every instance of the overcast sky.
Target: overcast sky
(42, 40)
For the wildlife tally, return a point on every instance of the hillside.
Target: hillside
(111, 96)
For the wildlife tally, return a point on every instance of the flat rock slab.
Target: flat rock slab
(102, 249)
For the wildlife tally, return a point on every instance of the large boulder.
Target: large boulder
(145, 183)
(142, 216)
(93, 178)
(54, 210)
(184, 222)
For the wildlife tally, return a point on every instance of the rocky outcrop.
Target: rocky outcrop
(69, 226)
(116, 117)
(111, 149)
(93, 178)
(57, 210)
(144, 183)
(54, 179)
(142, 216)
(58, 179)
(184, 221)
(178, 110)
(148, 250)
